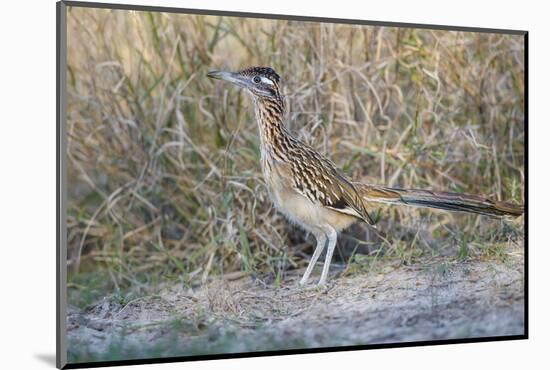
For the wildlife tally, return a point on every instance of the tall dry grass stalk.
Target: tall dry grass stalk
(163, 163)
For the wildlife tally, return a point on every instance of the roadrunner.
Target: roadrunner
(312, 192)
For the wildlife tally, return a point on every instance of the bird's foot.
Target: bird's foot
(321, 287)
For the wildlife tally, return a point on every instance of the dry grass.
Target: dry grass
(390, 304)
(163, 163)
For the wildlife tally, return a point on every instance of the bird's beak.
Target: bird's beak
(229, 77)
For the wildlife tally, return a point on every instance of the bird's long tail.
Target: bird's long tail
(440, 200)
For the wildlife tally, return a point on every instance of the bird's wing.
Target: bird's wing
(318, 179)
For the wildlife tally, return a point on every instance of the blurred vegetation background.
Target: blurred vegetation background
(164, 181)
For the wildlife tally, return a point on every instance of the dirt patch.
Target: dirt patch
(432, 299)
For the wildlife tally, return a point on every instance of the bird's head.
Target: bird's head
(260, 82)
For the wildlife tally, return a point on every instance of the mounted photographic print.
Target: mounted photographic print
(234, 184)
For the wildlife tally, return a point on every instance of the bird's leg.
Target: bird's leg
(332, 236)
(321, 241)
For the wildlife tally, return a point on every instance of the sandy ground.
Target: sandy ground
(431, 299)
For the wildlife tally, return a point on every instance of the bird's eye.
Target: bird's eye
(257, 80)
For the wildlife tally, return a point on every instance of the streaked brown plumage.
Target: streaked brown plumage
(312, 192)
